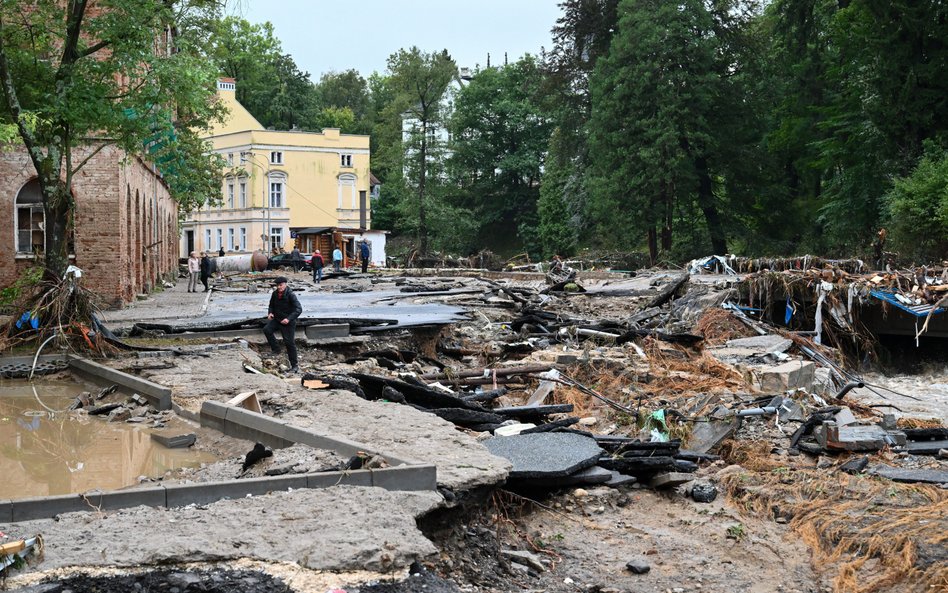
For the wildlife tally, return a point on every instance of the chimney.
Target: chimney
(226, 84)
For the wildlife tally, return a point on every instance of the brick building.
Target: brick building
(125, 229)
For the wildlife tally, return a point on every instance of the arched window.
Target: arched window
(347, 188)
(277, 190)
(30, 220)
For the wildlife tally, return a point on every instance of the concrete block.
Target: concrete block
(122, 499)
(244, 424)
(214, 415)
(340, 445)
(45, 507)
(174, 441)
(410, 477)
(179, 495)
(670, 479)
(796, 374)
(359, 477)
(329, 330)
(158, 395)
(845, 417)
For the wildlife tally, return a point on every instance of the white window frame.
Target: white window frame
(220, 239)
(276, 238)
(230, 238)
(242, 192)
(207, 239)
(36, 226)
(230, 194)
(345, 160)
(276, 195)
(243, 238)
(230, 159)
(276, 157)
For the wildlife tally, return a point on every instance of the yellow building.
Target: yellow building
(276, 181)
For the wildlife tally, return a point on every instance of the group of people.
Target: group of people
(198, 267)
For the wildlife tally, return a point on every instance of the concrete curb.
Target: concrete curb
(158, 396)
(404, 475)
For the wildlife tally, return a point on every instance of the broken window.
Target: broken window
(30, 219)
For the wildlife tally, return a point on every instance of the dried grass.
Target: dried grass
(720, 325)
(878, 535)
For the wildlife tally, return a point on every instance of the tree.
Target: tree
(269, 83)
(69, 73)
(349, 91)
(499, 137)
(651, 98)
(419, 82)
(917, 208)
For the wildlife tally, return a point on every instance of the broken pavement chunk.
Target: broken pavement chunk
(671, 479)
(174, 441)
(705, 436)
(796, 374)
(912, 476)
(545, 455)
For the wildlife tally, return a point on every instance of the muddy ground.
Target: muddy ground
(762, 533)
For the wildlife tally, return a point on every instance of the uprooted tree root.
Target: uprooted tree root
(61, 309)
(880, 535)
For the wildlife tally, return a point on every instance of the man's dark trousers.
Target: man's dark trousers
(288, 332)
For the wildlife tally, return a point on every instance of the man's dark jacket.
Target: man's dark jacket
(285, 307)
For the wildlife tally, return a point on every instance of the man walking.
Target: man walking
(284, 309)
(364, 254)
(317, 267)
(336, 258)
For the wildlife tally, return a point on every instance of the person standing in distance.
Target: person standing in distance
(364, 253)
(205, 270)
(336, 258)
(282, 313)
(318, 267)
(194, 270)
(297, 258)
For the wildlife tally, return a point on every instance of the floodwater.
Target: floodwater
(47, 450)
(923, 395)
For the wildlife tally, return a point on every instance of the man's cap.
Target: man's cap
(281, 280)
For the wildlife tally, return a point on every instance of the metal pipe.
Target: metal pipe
(36, 356)
(849, 387)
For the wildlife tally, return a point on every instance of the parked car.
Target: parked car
(284, 261)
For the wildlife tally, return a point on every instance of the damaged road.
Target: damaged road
(634, 436)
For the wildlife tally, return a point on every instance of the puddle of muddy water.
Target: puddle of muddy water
(47, 450)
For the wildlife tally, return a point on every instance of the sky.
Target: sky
(336, 35)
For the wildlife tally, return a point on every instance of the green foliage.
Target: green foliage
(269, 84)
(651, 96)
(116, 75)
(499, 136)
(917, 208)
(418, 83)
(25, 283)
(556, 229)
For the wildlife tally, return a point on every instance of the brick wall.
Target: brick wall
(126, 232)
